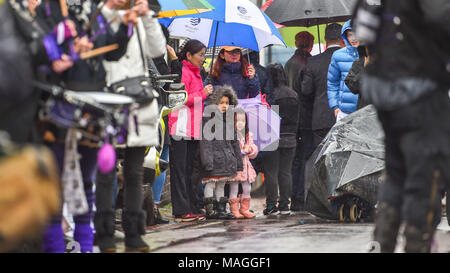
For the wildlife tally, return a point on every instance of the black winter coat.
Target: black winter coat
(220, 157)
(286, 98)
(294, 65)
(294, 68)
(314, 83)
(353, 81)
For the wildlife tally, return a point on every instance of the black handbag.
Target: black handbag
(139, 88)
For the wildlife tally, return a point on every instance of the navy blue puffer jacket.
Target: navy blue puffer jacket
(243, 86)
(339, 96)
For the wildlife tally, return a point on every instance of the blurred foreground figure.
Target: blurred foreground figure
(29, 184)
(30, 192)
(409, 83)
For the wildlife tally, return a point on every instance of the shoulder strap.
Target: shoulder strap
(144, 63)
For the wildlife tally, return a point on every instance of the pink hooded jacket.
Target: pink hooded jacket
(187, 121)
(248, 174)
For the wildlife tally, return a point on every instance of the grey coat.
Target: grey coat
(219, 156)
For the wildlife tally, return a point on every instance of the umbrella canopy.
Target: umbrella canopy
(171, 8)
(263, 123)
(348, 161)
(232, 23)
(310, 12)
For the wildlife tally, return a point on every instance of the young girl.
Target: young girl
(248, 175)
(220, 156)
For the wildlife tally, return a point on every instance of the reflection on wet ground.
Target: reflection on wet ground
(298, 233)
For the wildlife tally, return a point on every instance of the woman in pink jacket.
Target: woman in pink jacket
(248, 175)
(184, 129)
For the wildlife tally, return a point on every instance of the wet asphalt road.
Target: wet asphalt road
(300, 233)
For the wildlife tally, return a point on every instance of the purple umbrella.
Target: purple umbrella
(263, 123)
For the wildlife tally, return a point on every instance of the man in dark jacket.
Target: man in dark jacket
(410, 90)
(304, 42)
(314, 83)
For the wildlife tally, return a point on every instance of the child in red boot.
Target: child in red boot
(248, 151)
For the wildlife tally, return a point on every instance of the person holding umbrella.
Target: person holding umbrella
(232, 68)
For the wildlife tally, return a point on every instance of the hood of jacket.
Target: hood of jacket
(351, 49)
(225, 90)
(345, 27)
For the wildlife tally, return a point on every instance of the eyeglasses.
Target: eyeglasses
(234, 51)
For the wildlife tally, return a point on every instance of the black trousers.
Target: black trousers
(417, 141)
(277, 172)
(304, 150)
(184, 176)
(133, 177)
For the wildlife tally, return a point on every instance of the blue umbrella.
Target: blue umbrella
(232, 23)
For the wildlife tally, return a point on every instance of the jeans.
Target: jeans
(158, 185)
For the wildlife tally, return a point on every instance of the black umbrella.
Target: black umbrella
(308, 13)
(344, 172)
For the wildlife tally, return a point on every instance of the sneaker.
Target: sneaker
(200, 216)
(271, 210)
(188, 217)
(285, 211)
